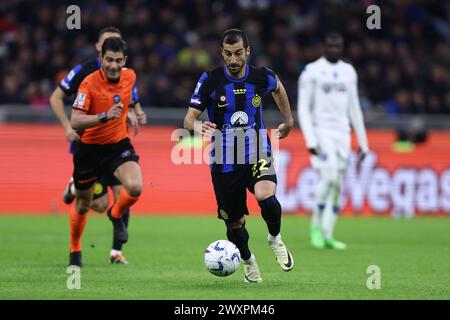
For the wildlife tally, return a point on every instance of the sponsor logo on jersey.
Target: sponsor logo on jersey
(334, 87)
(239, 119)
(222, 102)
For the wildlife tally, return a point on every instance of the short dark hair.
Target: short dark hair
(109, 30)
(114, 44)
(232, 36)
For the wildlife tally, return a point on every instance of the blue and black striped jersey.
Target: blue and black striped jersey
(235, 106)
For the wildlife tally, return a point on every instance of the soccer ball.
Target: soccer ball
(222, 258)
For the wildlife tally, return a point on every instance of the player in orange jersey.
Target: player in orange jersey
(100, 110)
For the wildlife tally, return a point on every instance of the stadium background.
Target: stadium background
(404, 77)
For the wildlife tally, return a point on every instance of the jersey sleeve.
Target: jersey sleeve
(72, 80)
(356, 116)
(134, 95)
(305, 101)
(83, 98)
(200, 97)
(272, 79)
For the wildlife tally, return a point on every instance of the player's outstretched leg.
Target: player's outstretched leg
(129, 174)
(69, 192)
(77, 225)
(238, 234)
(330, 217)
(116, 256)
(271, 213)
(316, 231)
(329, 241)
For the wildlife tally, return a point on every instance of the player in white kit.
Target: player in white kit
(328, 104)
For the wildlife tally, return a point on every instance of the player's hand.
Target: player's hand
(115, 111)
(360, 158)
(361, 155)
(208, 129)
(71, 135)
(313, 151)
(132, 121)
(284, 129)
(141, 117)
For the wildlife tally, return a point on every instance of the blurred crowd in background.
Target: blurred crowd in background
(403, 68)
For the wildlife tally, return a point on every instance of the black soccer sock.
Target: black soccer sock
(240, 238)
(271, 213)
(117, 244)
(126, 217)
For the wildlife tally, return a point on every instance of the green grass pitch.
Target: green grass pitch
(166, 260)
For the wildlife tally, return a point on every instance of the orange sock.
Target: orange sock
(77, 224)
(124, 202)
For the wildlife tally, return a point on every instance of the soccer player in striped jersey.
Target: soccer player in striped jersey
(234, 96)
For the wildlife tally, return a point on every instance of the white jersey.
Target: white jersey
(328, 99)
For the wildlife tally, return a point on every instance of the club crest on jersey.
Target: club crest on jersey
(256, 101)
(239, 119)
(222, 102)
(116, 98)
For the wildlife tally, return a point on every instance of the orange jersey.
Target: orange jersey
(96, 95)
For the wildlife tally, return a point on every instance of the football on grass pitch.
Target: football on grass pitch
(222, 258)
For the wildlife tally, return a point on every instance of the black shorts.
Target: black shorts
(92, 161)
(230, 188)
(105, 180)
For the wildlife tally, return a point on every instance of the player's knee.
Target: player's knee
(135, 190)
(236, 224)
(330, 175)
(270, 208)
(99, 206)
(82, 207)
(263, 194)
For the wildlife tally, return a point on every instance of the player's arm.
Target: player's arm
(57, 105)
(197, 105)
(282, 101)
(304, 109)
(140, 114)
(80, 120)
(357, 120)
(192, 117)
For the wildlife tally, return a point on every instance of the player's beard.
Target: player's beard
(235, 69)
(113, 79)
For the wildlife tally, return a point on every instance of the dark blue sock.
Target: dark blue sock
(240, 238)
(271, 213)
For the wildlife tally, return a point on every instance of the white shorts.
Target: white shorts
(334, 149)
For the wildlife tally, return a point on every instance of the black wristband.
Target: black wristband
(102, 117)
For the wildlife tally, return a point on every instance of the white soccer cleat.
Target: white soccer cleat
(282, 255)
(251, 271)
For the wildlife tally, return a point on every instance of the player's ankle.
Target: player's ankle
(273, 239)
